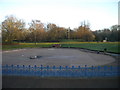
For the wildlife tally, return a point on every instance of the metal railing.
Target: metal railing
(66, 71)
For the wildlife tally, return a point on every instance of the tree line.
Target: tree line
(14, 29)
(112, 34)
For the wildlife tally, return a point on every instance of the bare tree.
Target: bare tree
(37, 31)
(84, 32)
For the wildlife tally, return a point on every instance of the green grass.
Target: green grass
(11, 47)
(111, 46)
(71, 40)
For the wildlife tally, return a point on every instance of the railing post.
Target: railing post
(66, 67)
(29, 72)
(47, 70)
(47, 67)
(12, 69)
(105, 67)
(54, 67)
(98, 71)
(54, 71)
(29, 67)
(92, 67)
(111, 68)
(17, 66)
(78, 67)
(7, 70)
(41, 70)
(73, 69)
(92, 70)
(79, 71)
(12, 66)
(60, 67)
(23, 69)
(41, 67)
(60, 70)
(66, 72)
(35, 69)
(17, 71)
(85, 70)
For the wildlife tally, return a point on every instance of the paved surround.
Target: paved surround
(55, 56)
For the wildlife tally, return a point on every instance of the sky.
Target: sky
(64, 13)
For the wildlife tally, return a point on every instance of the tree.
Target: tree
(12, 29)
(37, 32)
(115, 33)
(111, 34)
(98, 36)
(84, 33)
(55, 33)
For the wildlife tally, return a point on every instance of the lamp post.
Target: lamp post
(37, 22)
(35, 36)
(68, 33)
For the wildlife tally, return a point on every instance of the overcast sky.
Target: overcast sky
(65, 13)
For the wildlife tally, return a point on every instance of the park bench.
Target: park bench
(56, 45)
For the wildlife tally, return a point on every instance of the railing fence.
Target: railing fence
(66, 71)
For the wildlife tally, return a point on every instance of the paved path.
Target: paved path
(37, 82)
(55, 56)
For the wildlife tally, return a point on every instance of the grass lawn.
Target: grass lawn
(111, 46)
(20, 46)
